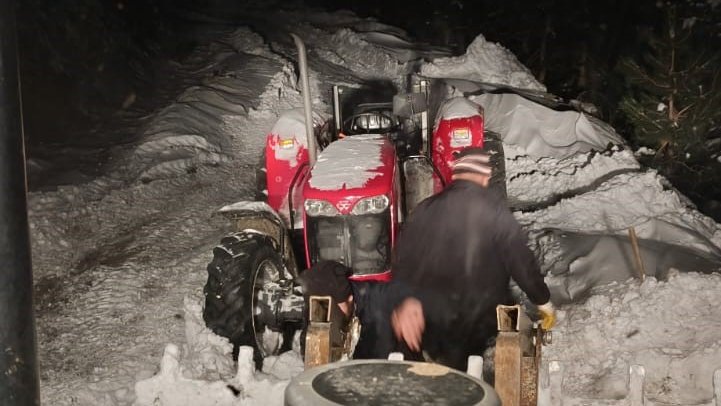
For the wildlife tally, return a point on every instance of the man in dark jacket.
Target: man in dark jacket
(455, 257)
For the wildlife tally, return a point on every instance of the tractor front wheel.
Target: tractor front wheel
(247, 296)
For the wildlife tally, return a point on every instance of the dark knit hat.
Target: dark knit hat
(327, 278)
(472, 160)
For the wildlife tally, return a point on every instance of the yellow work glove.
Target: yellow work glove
(548, 315)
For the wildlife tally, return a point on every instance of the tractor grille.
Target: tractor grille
(359, 242)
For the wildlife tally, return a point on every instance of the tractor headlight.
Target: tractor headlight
(315, 207)
(371, 205)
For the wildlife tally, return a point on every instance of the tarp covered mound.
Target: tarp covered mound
(541, 131)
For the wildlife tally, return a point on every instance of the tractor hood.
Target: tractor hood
(350, 169)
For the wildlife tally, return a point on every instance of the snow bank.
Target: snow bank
(560, 177)
(631, 200)
(671, 328)
(191, 131)
(484, 62)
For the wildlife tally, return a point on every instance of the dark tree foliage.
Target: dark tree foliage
(673, 101)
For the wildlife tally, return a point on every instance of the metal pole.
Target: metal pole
(18, 364)
(336, 110)
(307, 106)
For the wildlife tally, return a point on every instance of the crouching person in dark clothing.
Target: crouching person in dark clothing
(369, 301)
(455, 257)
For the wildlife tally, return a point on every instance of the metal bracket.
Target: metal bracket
(317, 336)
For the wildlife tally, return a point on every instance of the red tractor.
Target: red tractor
(346, 205)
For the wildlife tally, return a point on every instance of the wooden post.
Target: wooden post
(508, 368)
(517, 357)
(638, 262)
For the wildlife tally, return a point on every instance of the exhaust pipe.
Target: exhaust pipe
(338, 120)
(305, 86)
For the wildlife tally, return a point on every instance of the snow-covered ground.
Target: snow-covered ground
(120, 261)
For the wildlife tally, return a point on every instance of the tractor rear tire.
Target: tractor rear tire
(261, 179)
(243, 264)
(494, 146)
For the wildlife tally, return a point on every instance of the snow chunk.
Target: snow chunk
(291, 124)
(644, 151)
(457, 107)
(291, 127)
(247, 205)
(348, 163)
(169, 387)
(209, 355)
(484, 62)
(541, 131)
(193, 380)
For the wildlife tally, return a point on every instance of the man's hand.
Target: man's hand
(408, 323)
(548, 316)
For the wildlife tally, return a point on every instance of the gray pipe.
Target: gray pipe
(307, 107)
(18, 363)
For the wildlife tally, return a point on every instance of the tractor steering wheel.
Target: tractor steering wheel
(370, 122)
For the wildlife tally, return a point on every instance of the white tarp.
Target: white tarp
(541, 131)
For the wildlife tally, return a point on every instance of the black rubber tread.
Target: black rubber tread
(494, 146)
(229, 289)
(261, 176)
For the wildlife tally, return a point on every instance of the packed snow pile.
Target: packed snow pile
(671, 328)
(561, 177)
(631, 200)
(486, 62)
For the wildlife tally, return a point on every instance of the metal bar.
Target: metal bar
(317, 335)
(319, 308)
(307, 106)
(18, 363)
(336, 110)
(426, 142)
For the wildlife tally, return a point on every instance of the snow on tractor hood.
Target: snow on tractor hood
(356, 162)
